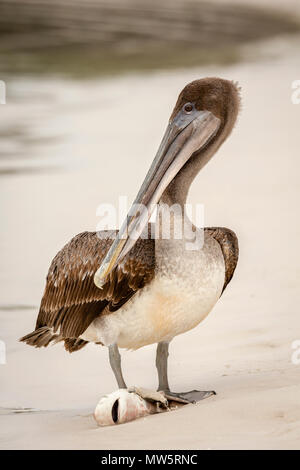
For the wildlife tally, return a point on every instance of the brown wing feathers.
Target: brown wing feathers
(71, 300)
(228, 242)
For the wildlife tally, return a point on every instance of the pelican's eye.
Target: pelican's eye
(188, 108)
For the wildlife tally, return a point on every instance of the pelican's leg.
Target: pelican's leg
(162, 354)
(193, 396)
(115, 363)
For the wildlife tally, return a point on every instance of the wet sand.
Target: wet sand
(101, 137)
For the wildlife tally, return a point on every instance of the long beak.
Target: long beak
(184, 135)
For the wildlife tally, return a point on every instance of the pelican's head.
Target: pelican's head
(204, 115)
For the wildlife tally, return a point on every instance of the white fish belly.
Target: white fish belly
(171, 304)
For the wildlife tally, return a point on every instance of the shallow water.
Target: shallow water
(110, 37)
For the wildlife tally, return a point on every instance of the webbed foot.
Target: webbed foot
(188, 397)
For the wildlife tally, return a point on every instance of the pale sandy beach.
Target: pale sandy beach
(243, 349)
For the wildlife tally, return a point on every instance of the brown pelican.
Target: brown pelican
(126, 290)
